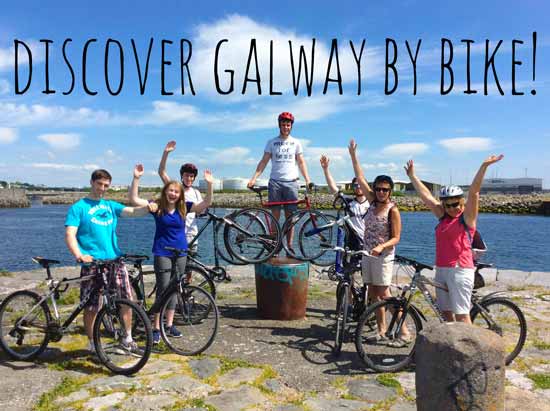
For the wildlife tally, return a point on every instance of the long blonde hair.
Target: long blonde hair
(180, 203)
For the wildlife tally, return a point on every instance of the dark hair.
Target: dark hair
(354, 180)
(101, 173)
(383, 179)
(189, 168)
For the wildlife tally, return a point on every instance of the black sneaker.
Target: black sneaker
(156, 336)
(173, 332)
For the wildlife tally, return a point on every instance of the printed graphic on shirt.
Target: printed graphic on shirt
(283, 157)
(101, 215)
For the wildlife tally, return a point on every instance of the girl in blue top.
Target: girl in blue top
(170, 232)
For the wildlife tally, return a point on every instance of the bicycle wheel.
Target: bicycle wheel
(197, 276)
(392, 351)
(506, 319)
(254, 237)
(119, 350)
(341, 318)
(24, 325)
(289, 234)
(311, 236)
(222, 250)
(194, 320)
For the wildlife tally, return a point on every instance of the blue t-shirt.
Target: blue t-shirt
(170, 232)
(96, 221)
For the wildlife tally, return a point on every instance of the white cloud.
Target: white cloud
(233, 55)
(387, 167)
(166, 112)
(65, 167)
(404, 149)
(7, 55)
(28, 115)
(4, 86)
(7, 135)
(61, 141)
(228, 156)
(465, 144)
(335, 154)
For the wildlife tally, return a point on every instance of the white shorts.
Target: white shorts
(460, 282)
(377, 270)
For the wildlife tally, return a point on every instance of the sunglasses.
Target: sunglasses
(452, 205)
(382, 189)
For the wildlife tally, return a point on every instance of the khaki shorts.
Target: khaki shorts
(460, 282)
(377, 270)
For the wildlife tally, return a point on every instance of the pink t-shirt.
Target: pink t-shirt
(452, 245)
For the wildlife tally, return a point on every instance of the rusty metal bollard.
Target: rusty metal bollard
(281, 288)
(459, 367)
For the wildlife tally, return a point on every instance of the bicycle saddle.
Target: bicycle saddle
(45, 262)
(258, 189)
(481, 266)
(138, 258)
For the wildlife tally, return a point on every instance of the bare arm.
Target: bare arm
(207, 201)
(72, 245)
(170, 146)
(133, 195)
(425, 195)
(359, 172)
(302, 166)
(472, 204)
(328, 177)
(260, 168)
(136, 211)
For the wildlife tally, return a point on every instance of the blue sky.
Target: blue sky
(57, 140)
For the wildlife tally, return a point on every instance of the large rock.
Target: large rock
(459, 367)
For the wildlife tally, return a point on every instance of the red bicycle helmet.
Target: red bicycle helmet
(189, 168)
(286, 116)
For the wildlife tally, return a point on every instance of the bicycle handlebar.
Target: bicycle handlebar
(347, 251)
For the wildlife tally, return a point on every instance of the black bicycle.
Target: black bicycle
(197, 275)
(27, 324)
(350, 294)
(217, 272)
(190, 306)
(394, 350)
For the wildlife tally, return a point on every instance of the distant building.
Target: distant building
(524, 185)
(235, 184)
(218, 185)
(400, 186)
(433, 187)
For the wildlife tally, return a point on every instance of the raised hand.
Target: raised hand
(352, 147)
(153, 207)
(208, 176)
(324, 162)
(409, 168)
(170, 146)
(138, 170)
(492, 159)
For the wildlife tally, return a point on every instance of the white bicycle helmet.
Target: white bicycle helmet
(450, 191)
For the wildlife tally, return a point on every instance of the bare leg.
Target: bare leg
(89, 318)
(463, 318)
(290, 235)
(448, 316)
(126, 314)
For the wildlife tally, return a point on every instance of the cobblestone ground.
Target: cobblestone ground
(257, 364)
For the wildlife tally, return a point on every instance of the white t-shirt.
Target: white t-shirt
(191, 228)
(358, 211)
(283, 157)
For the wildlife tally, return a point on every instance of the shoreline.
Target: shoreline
(520, 204)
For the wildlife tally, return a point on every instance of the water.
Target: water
(515, 242)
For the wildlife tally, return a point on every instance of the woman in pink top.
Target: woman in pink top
(453, 249)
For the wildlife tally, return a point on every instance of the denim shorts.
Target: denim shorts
(283, 191)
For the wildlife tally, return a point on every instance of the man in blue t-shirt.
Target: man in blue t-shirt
(90, 234)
